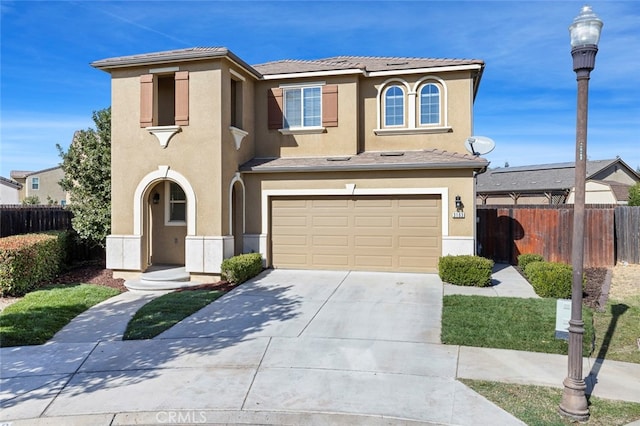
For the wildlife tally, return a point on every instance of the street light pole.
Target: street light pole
(585, 34)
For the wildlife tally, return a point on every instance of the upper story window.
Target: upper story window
(394, 106)
(164, 98)
(303, 108)
(429, 104)
(35, 183)
(406, 108)
(236, 103)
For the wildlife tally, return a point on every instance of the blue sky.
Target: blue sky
(526, 102)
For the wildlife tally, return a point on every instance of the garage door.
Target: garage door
(377, 233)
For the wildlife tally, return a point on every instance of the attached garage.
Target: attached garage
(377, 233)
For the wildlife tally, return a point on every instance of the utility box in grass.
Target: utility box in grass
(563, 315)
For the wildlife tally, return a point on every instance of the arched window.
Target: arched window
(394, 106)
(429, 104)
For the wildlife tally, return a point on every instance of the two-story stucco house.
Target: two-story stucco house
(339, 163)
(43, 185)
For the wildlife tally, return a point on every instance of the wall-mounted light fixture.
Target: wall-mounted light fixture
(459, 204)
(156, 198)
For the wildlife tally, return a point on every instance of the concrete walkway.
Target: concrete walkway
(289, 347)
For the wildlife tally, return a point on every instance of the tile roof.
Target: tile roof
(364, 63)
(170, 56)
(22, 174)
(556, 176)
(287, 66)
(408, 160)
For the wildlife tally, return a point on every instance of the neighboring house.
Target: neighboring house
(9, 191)
(339, 163)
(607, 182)
(44, 184)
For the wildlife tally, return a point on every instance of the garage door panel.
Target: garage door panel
(386, 233)
(290, 240)
(329, 260)
(290, 221)
(330, 203)
(381, 242)
(336, 241)
(331, 221)
(375, 262)
(370, 202)
(373, 222)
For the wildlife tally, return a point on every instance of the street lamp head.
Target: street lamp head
(585, 29)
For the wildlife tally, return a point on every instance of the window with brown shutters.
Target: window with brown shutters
(330, 106)
(146, 100)
(164, 99)
(276, 107)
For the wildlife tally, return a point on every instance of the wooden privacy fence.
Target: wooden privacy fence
(505, 232)
(628, 234)
(18, 219)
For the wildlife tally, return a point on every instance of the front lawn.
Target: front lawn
(41, 314)
(506, 323)
(165, 311)
(538, 405)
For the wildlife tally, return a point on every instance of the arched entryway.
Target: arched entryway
(164, 215)
(167, 223)
(237, 215)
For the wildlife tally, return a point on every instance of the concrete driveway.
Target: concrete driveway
(289, 347)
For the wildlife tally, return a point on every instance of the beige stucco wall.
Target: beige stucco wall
(203, 151)
(459, 105)
(340, 140)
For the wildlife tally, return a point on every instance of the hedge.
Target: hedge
(550, 279)
(26, 260)
(238, 269)
(465, 270)
(527, 258)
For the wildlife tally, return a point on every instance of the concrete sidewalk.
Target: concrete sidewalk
(289, 347)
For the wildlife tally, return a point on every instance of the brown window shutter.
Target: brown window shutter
(330, 105)
(274, 108)
(146, 100)
(182, 98)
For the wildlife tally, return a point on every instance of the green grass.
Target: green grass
(41, 314)
(618, 330)
(164, 312)
(506, 323)
(538, 406)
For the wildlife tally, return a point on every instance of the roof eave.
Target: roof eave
(479, 165)
(141, 61)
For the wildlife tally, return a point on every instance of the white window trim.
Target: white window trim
(412, 118)
(444, 118)
(301, 130)
(383, 107)
(37, 179)
(167, 205)
(311, 130)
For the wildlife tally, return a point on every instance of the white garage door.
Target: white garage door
(376, 233)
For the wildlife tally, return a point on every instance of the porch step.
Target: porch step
(162, 278)
(141, 285)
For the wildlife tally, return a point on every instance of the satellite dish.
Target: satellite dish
(479, 145)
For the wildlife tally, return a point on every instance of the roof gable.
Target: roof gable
(555, 176)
